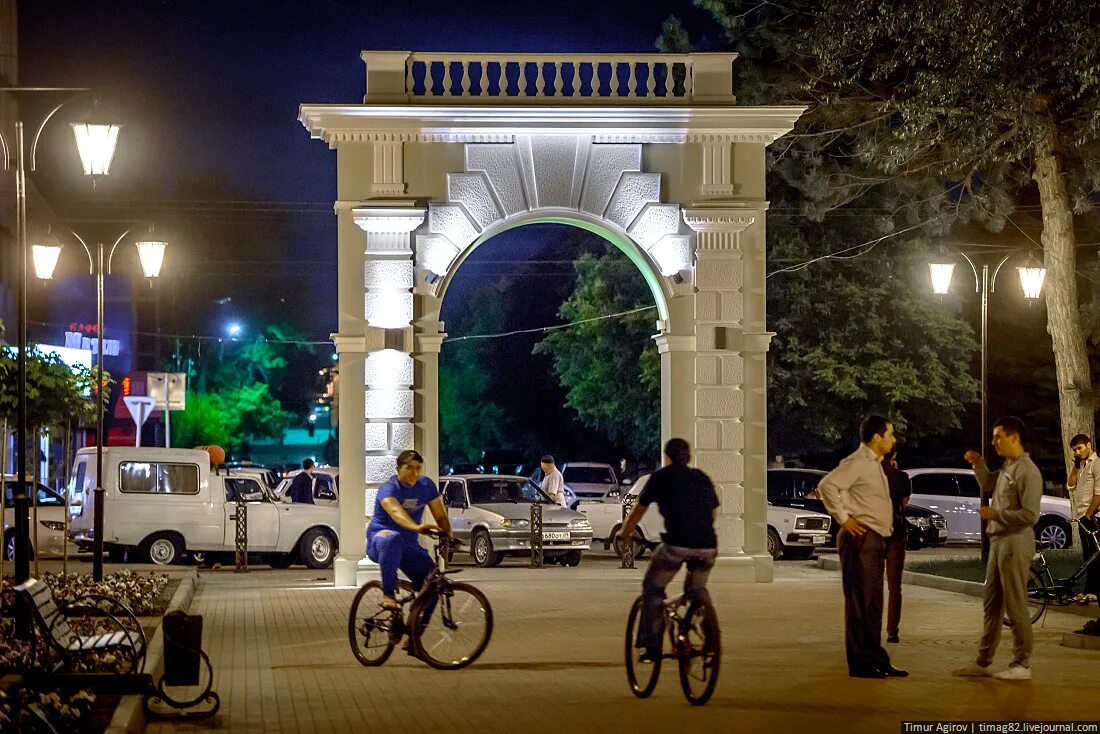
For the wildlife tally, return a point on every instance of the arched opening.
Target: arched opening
(510, 391)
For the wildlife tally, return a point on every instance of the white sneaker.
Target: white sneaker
(972, 670)
(1014, 672)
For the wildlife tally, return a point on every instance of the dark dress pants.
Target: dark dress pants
(895, 564)
(1088, 547)
(862, 567)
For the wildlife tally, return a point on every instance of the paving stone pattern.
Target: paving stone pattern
(279, 645)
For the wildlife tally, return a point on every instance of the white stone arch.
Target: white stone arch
(441, 156)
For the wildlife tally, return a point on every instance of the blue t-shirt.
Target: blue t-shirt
(414, 499)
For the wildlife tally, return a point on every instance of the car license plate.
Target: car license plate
(555, 536)
(820, 539)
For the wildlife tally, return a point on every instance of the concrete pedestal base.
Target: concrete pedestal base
(345, 570)
(1081, 642)
(740, 569)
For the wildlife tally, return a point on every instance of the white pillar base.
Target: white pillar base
(765, 567)
(346, 570)
(735, 568)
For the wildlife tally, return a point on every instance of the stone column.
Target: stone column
(722, 402)
(426, 404)
(677, 386)
(376, 381)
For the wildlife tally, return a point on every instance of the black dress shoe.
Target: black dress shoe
(869, 673)
(891, 672)
(893, 638)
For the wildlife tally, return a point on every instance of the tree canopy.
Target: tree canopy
(933, 116)
(610, 368)
(231, 397)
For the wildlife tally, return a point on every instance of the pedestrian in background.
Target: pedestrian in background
(553, 483)
(857, 494)
(301, 487)
(1084, 490)
(1012, 512)
(900, 489)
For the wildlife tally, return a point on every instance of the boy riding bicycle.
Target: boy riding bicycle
(688, 503)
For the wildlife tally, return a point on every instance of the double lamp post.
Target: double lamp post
(1032, 276)
(96, 146)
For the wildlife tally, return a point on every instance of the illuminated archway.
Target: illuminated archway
(650, 152)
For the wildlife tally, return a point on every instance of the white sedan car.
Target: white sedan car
(791, 532)
(51, 522)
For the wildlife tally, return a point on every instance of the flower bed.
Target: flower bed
(147, 594)
(142, 592)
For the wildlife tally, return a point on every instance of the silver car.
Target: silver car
(592, 482)
(492, 515)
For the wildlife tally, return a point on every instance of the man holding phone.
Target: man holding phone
(1084, 489)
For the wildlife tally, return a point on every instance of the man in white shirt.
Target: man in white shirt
(1084, 489)
(857, 494)
(553, 483)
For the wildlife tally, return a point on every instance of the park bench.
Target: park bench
(62, 647)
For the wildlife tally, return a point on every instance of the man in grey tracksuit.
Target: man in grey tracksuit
(1017, 490)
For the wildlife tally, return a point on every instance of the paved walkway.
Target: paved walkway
(279, 645)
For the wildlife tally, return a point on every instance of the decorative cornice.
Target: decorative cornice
(429, 343)
(674, 343)
(388, 219)
(496, 123)
(724, 219)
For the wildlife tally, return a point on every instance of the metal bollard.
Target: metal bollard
(536, 535)
(627, 559)
(241, 538)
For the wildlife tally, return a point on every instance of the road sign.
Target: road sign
(140, 407)
(170, 391)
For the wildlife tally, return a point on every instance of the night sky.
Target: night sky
(213, 152)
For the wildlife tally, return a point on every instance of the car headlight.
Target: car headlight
(517, 524)
(580, 523)
(52, 524)
(614, 493)
(920, 522)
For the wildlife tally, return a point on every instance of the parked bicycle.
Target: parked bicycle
(694, 643)
(1045, 589)
(448, 623)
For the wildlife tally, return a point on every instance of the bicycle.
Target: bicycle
(456, 639)
(695, 643)
(1045, 589)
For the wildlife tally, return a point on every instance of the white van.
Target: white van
(166, 503)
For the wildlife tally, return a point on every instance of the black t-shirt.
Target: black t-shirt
(686, 499)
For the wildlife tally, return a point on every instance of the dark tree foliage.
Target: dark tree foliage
(610, 367)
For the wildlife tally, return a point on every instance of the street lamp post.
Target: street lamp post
(21, 499)
(151, 256)
(1031, 281)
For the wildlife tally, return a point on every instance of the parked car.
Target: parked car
(51, 521)
(791, 533)
(798, 488)
(326, 485)
(954, 494)
(246, 468)
(163, 504)
(464, 469)
(491, 515)
(591, 481)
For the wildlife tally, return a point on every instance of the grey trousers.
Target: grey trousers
(1006, 574)
(663, 565)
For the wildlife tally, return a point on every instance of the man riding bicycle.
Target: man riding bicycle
(392, 540)
(688, 503)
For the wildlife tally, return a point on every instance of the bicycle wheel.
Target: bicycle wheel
(642, 677)
(1038, 596)
(699, 653)
(371, 629)
(451, 629)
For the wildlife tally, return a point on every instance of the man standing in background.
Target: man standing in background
(553, 483)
